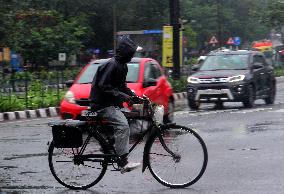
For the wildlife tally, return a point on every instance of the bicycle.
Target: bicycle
(175, 155)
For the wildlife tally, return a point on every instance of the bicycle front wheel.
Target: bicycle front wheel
(77, 173)
(178, 157)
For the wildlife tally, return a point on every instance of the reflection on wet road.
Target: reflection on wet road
(244, 146)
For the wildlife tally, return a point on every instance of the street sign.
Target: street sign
(230, 41)
(213, 40)
(97, 51)
(152, 31)
(237, 41)
(62, 56)
(167, 60)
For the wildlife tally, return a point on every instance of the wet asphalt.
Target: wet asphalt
(245, 148)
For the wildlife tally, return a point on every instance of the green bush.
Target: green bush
(11, 104)
(38, 96)
(279, 71)
(179, 85)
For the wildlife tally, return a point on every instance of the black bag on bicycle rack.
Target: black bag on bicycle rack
(67, 133)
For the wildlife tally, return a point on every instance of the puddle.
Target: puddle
(8, 167)
(25, 156)
(27, 187)
(259, 127)
(244, 149)
(249, 149)
(27, 172)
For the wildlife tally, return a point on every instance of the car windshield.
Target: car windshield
(133, 72)
(88, 75)
(225, 62)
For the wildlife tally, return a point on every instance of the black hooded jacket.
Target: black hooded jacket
(109, 84)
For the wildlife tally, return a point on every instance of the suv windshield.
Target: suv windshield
(225, 62)
(88, 75)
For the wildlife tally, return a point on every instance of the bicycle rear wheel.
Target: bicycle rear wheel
(187, 162)
(78, 173)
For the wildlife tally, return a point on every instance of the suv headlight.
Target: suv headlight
(193, 80)
(69, 97)
(236, 78)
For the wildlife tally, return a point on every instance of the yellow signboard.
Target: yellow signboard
(167, 60)
(168, 46)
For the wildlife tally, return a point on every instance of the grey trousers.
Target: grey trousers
(118, 121)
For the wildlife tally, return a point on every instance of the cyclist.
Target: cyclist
(109, 91)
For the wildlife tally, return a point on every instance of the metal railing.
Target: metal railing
(31, 89)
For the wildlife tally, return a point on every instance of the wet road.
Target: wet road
(245, 149)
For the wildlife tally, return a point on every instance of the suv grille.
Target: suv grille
(213, 80)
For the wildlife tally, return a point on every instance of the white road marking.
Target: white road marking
(280, 110)
(252, 110)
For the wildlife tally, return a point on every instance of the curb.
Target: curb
(30, 114)
(180, 96)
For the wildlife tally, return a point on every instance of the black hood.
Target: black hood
(125, 50)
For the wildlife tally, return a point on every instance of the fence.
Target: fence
(31, 89)
(39, 88)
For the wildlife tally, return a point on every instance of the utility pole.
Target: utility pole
(219, 23)
(174, 21)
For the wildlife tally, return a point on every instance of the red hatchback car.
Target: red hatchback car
(145, 77)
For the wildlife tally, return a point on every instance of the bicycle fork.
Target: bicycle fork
(176, 156)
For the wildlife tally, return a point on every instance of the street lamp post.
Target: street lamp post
(219, 21)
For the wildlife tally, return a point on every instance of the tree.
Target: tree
(274, 16)
(40, 35)
(79, 24)
(224, 18)
(190, 36)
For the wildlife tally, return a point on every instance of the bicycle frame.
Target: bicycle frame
(93, 132)
(112, 158)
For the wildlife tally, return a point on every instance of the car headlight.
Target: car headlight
(236, 78)
(193, 80)
(69, 97)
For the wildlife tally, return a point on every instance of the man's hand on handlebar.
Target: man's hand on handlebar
(136, 100)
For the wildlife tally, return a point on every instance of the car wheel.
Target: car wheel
(270, 99)
(193, 105)
(169, 117)
(249, 101)
(219, 105)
